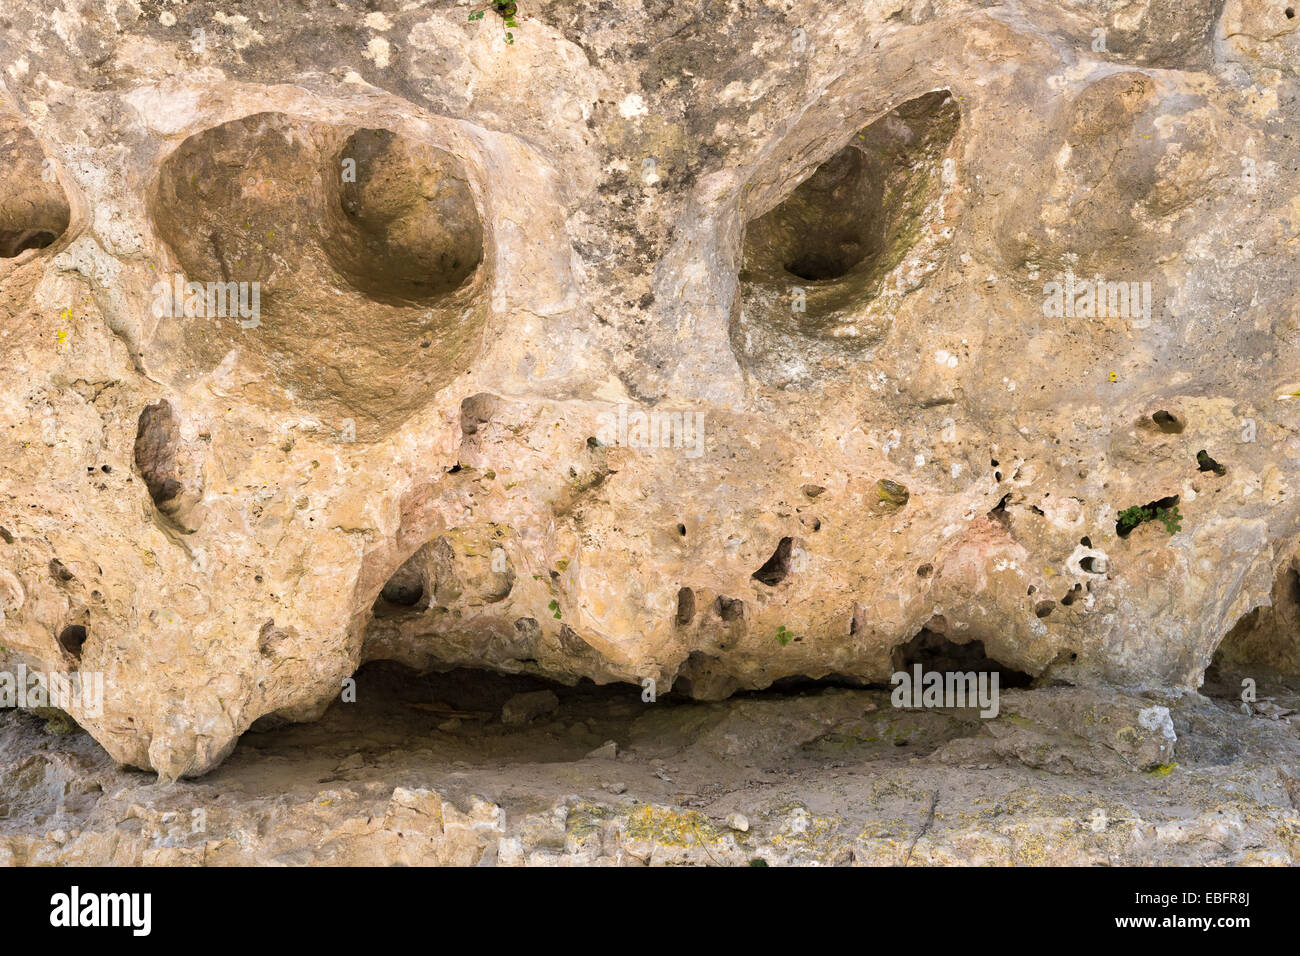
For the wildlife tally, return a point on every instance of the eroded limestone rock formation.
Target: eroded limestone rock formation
(701, 344)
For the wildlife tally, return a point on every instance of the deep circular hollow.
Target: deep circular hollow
(72, 638)
(823, 217)
(34, 211)
(404, 221)
(813, 264)
(828, 225)
(342, 265)
(1168, 422)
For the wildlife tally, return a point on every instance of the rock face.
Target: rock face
(1061, 775)
(705, 345)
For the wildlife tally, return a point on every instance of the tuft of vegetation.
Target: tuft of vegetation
(1130, 518)
(506, 9)
(783, 637)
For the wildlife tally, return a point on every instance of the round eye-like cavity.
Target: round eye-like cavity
(34, 211)
(815, 264)
(342, 265)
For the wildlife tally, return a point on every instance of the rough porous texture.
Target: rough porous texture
(702, 344)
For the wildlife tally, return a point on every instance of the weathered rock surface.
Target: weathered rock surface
(831, 776)
(456, 272)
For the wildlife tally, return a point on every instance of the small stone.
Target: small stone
(738, 821)
(614, 787)
(890, 496)
(523, 708)
(606, 751)
(452, 723)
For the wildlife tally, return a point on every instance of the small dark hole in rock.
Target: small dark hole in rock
(156, 441)
(1205, 463)
(1072, 595)
(925, 570)
(729, 609)
(6, 536)
(478, 410)
(72, 638)
(1168, 422)
(685, 606)
(407, 585)
(777, 568)
(1044, 608)
(402, 593)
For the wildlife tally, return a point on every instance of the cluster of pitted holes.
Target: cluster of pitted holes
(723, 608)
(774, 570)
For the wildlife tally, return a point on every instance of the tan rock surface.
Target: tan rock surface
(824, 776)
(475, 261)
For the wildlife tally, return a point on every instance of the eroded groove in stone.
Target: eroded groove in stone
(171, 468)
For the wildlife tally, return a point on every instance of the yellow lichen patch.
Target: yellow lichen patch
(671, 827)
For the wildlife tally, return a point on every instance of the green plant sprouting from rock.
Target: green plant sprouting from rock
(506, 9)
(1130, 518)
